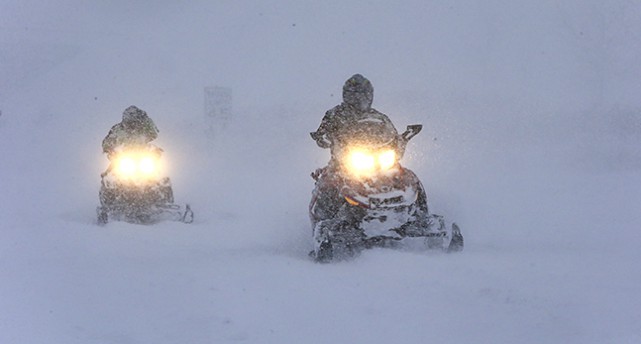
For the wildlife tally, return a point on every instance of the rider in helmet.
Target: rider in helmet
(358, 94)
(335, 129)
(136, 128)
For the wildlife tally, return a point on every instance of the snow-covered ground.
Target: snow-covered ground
(531, 142)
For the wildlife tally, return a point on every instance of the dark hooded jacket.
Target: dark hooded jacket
(136, 128)
(358, 95)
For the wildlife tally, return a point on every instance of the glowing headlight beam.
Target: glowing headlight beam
(147, 165)
(387, 159)
(127, 166)
(362, 161)
(365, 162)
(137, 166)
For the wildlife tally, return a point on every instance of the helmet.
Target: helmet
(133, 115)
(358, 92)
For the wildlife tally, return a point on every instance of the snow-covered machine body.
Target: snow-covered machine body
(365, 198)
(134, 189)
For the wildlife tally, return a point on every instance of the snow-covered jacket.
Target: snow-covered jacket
(142, 132)
(333, 128)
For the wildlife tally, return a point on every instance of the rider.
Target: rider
(135, 128)
(358, 94)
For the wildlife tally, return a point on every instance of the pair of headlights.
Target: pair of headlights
(363, 162)
(137, 166)
(360, 162)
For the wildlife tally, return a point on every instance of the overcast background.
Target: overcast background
(531, 142)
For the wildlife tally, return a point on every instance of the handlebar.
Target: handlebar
(411, 131)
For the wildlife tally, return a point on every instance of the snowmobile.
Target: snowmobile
(364, 198)
(134, 190)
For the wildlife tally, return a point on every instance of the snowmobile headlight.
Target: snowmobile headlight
(387, 159)
(126, 166)
(137, 166)
(361, 162)
(147, 165)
